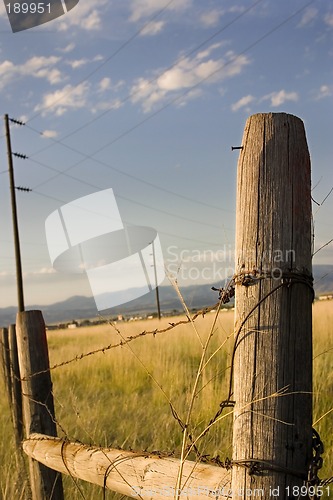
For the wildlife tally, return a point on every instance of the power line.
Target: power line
(177, 98)
(108, 59)
(193, 87)
(20, 155)
(130, 95)
(87, 183)
(169, 103)
(181, 237)
(17, 122)
(153, 208)
(126, 174)
(136, 126)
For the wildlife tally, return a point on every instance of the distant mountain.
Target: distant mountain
(323, 279)
(79, 307)
(195, 296)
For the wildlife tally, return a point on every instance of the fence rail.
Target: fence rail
(137, 475)
(273, 441)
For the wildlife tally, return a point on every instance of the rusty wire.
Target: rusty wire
(255, 466)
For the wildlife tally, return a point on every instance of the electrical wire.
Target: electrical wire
(153, 208)
(188, 90)
(108, 59)
(256, 42)
(167, 105)
(126, 174)
(130, 95)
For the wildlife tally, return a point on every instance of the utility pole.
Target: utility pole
(19, 279)
(156, 284)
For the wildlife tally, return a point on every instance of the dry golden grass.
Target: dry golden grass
(113, 400)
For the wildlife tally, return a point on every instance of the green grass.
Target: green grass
(112, 399)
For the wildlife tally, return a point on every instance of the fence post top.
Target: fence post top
(275, 115)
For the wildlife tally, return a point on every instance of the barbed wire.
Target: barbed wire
(255, 466)
(130, 338)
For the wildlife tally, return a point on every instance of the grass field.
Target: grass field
(113, 399)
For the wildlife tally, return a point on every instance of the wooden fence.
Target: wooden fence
(271, 376)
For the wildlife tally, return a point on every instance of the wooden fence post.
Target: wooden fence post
(12, 388)
(16, 396)
(37, 398)
(272, 434)
(5, 361)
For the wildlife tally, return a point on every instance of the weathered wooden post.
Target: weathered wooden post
(272, 438)
(16, 396)
(37, 398)
(16, 408)
(5, 361)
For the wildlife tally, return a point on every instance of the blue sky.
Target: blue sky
(147, 97)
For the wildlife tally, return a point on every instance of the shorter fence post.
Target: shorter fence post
(16, 390)
(5, 361)
(37, 398)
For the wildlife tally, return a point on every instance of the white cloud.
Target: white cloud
(60, 101)
(146, 8)
(192, 94)
(211, 18)
(6, 274)
(207, 52)
(325, 91)
(36, 67)
(244, 101)
(77, 63)
(68, 48)
(75, 97)
(187, 74)
(329, 19)
(85, 16)
(92, 21)
(53, 76)
(308, 15)
(152, 28)
(50, 134)
(106, 105)
(104, 84)
(45, 270)
(279, 98)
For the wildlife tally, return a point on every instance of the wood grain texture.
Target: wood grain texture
(137, 475)
(37, 398)
(17, 415)
(274, 351)
(5, 363)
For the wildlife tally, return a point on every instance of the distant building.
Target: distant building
(73, 324)
(325, 297)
